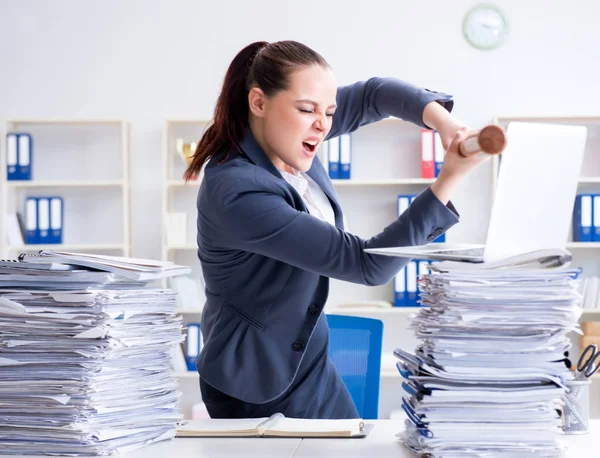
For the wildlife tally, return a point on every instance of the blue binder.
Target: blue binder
(333, 153)
(400, 289)
(596, 219)
(411, 284)
(24, 156)
(345, 156)
(56, 220)
(193, 344)
(31, 218)
(438, 152)
(582, 218)
(12, 157)
(43, 219)
(403, 202)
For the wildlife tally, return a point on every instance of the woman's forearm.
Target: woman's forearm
(438, 118)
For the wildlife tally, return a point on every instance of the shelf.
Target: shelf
(399, 181)
(587, 313)
(64, 121)
(187, 374)
(582, 245)
(186, 247)
(188, 121)
(65, 247)
(63, 184)
(589, 180)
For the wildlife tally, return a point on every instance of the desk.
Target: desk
(381, 443)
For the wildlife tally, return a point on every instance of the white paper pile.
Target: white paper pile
(488, 377)
(84, 361)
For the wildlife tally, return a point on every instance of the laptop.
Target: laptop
(533, 204)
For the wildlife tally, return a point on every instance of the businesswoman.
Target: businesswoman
(270, 226)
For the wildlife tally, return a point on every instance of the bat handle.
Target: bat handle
(491, 140)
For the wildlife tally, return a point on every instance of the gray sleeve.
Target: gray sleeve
(258, 219)
(375, 99)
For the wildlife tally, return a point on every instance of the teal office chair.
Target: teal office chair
(355, 350)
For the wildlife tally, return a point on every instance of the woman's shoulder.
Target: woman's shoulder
(239, 174)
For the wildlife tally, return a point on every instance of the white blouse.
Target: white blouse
(314, 198)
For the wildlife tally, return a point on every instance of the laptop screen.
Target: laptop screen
(536, 189)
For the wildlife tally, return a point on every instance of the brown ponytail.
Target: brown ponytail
(259, 64)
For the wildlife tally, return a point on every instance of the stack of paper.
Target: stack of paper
(489, 375)
(84, 360)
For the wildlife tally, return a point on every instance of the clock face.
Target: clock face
(485, 27)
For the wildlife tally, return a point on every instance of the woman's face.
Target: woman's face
(293, 123)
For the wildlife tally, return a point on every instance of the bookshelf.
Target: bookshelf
(84, 161)
(386, 162)
(180, 197)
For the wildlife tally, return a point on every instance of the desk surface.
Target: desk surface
(381, 443)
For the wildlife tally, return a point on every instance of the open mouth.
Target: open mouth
(310, 146)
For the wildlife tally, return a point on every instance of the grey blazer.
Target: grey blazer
(267, 262)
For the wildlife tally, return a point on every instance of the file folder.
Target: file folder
(31, 224)
(427, 162)
(596, 216)
(56, 220)
(411, 284)
(438, 152)
(192, 348)
(12, 161)
(43, 219)
(24, 153)
(345, 156)
(400, 288)
(403, 202)
(333, 145)
(582, 218)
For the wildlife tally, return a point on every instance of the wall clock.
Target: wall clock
(485, 27)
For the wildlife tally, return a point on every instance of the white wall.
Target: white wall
(147, 61)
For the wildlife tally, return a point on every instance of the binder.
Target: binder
(56, 220)
(400, 289)
(12, 171)
(582, 218)
(43, 219)
(31, 225)
(411, 284)
(24, 153)
(192, 347)
(334, 157)
(403, 203)
(427, 162)
(345, 156)
(596, 217)
(438, 152)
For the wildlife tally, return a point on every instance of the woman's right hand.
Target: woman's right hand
(455, 167)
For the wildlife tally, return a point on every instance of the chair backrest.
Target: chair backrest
(355, 350)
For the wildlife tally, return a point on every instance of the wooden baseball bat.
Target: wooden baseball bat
(491, 140)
